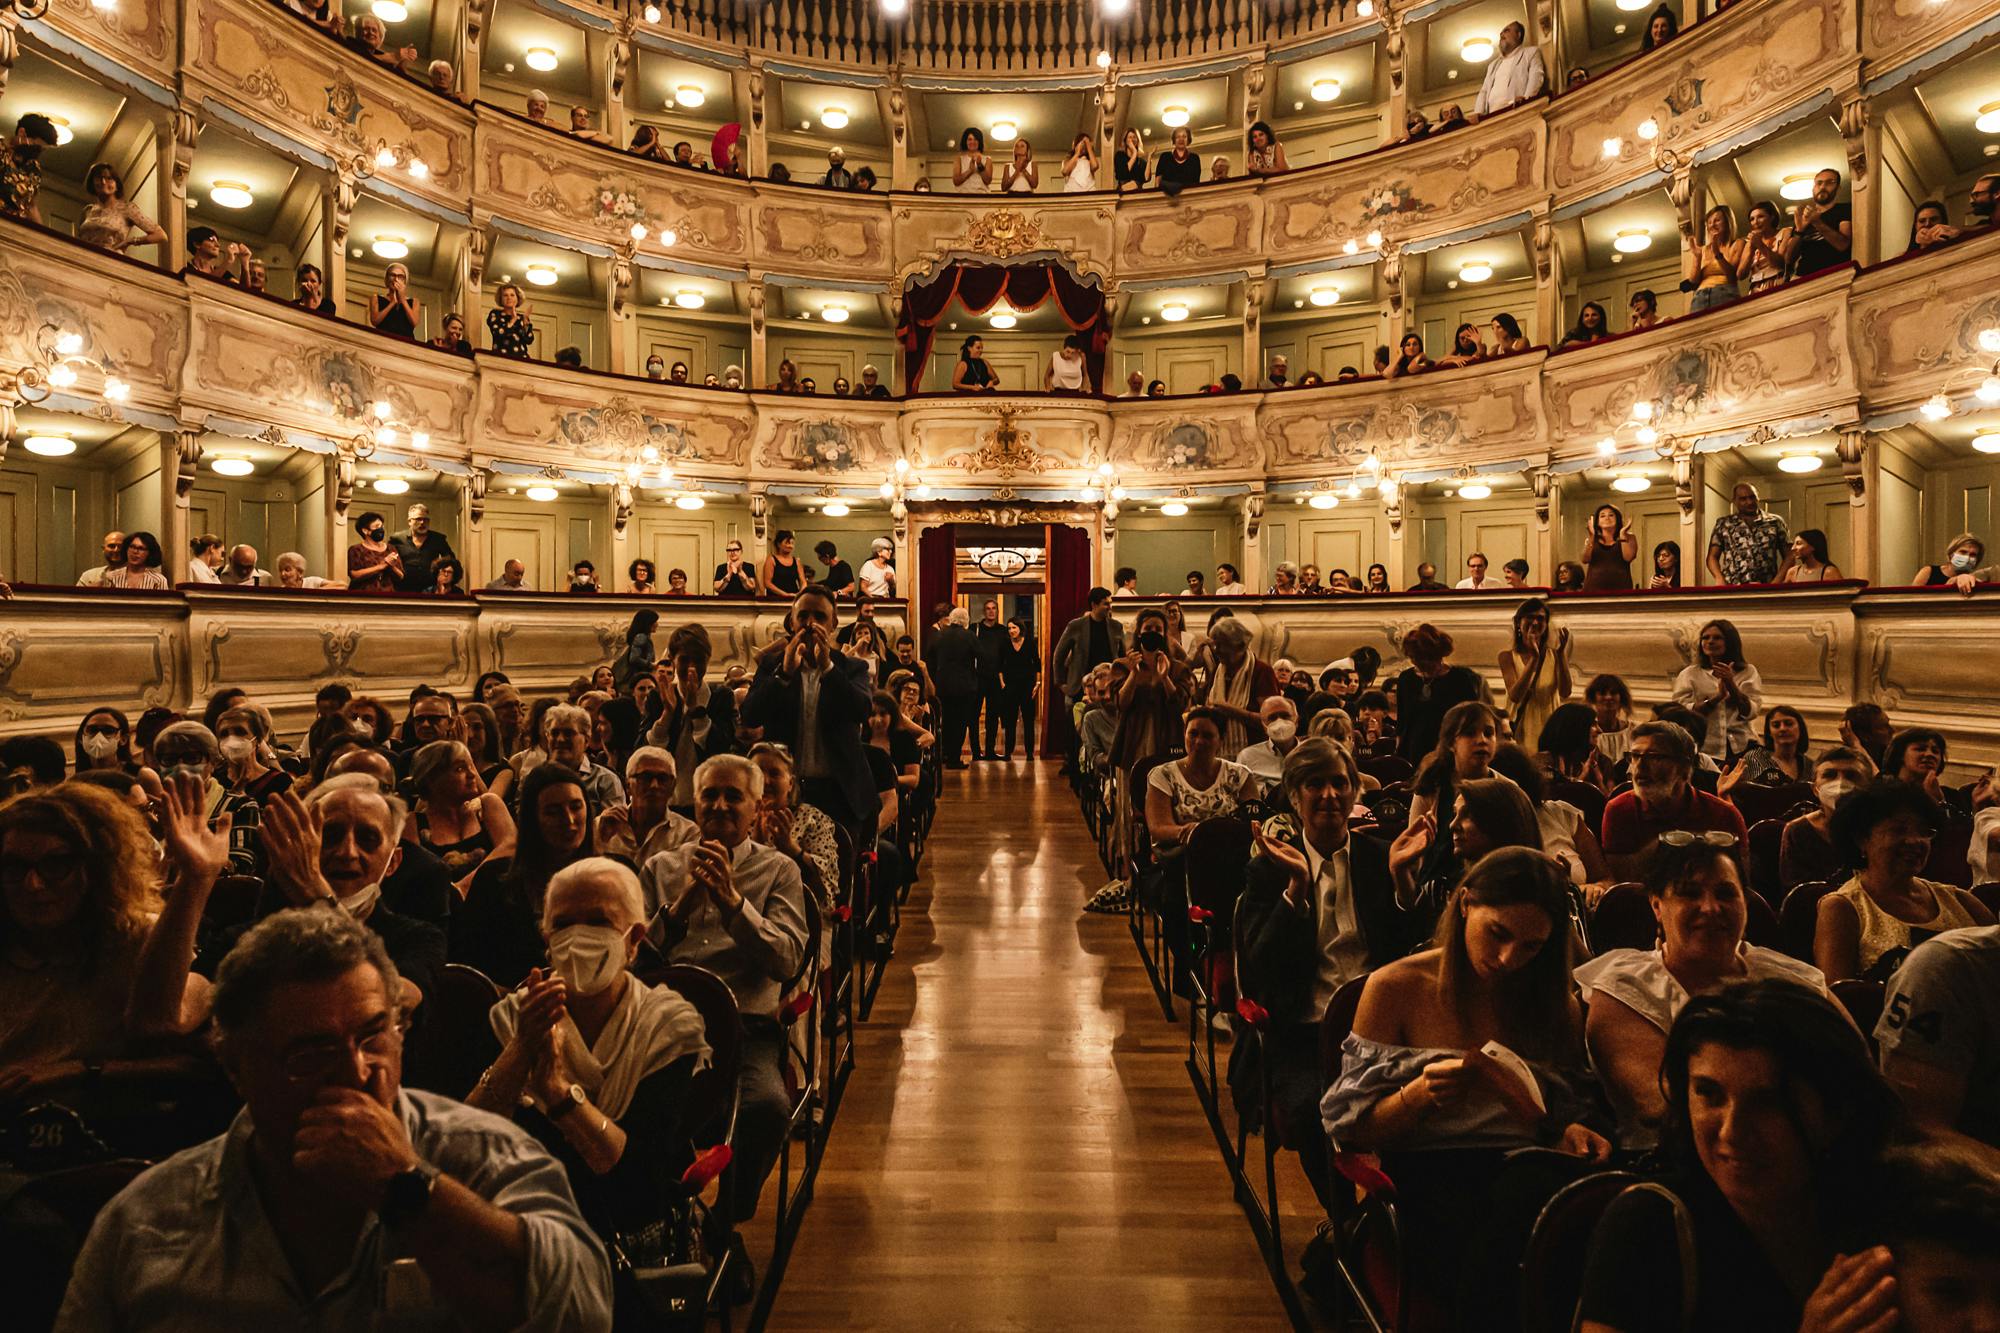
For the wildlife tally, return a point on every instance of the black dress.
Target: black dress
(1422, 703)
(397, 321)
(785, 576)
(977, 373)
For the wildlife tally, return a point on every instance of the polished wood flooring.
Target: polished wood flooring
(1020, 1146)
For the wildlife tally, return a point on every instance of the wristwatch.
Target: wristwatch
(568, 1102)
(408, 1194)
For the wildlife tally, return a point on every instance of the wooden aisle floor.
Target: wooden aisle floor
(1020, 1146)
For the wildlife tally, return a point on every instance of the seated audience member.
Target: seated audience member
(1568, 746)
(570, 358)
(1666, 567)
(497, 929)
(1643, 310)
(1431, 853)
(92, 958)
(1508, 337)
(451, 336)
(1451, 118)
(336, 848)
(328, 1161)
(695, 720)
(1570, 577)
(1415, 126)
(442, 80)
(1100, 712)
(1916, 755)
(1869, 924)
(1811, 562)
(1722, 689)
(368, 38)
(243, 734)
(1784, 757)
(1931, 226)
(30, 763)
(457, 817)
(1867, 728)
(104, 741)
(1939, 1034)
(799, 829)
(1180, 794)
(1663, 799)
(1410, 358)
(1592, 325)
(1279, 718)
(567, 732)
(1564, 827)
(736, 907)
(1632, 995)
(1962, 566)
(595, 1063)
(581, 127)
(1764, 1063)
(813, 700)
(648, 825)
(1466, 347)
(1464, 1051)
(1316, 912)
(1807, 850)
(190, 749)
(1934, 1215)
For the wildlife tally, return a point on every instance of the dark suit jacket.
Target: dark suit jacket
(844, 696)
(1072, 660)
(1278, 954)
(991, 641)
(721, 738)
(953, 657)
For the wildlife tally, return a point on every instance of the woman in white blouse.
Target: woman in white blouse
(1022, 176)
(1634, 994)
(1723, 689)
(1066, 367)
(973, 172)
(110, 222)
(140, 566)
(1080, 167)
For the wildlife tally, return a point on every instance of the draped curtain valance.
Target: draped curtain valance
(1024, 287)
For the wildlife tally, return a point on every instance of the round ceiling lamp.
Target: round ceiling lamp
(234, 467)
(1173, 509)
(1477, 51)
(1985, 444)
(1475, 272)
(231, 194)
(1003, 320)
(1325, 90)
(688, 299)
(50, 446)
(391, 247)
(1632, 240)
(836, 509)
(1174, 312)
(1325, 296)
(540, 59)
(833, 117)
(652, 13)
(1005, 131)
(1104, 60)
(1989, 119)
(689, 96)
(1649, 129)
(1631, 484)
(389, 11)
(1798, 463)
(1474, 490)
(1324, 500)
(63, 132)
(1174, 117)
(833, 314)
(542, 494)
(1796, 186)
(689, 502)
(392, 485)
(540, 275)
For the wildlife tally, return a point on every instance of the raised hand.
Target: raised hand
(289, 834)
(197, 851)
(1407, 851)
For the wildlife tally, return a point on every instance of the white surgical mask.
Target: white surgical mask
(361, 726)
(100, 747)
(198, 771)
(357, 903)
(587, 958)
(1831, 791)
(1963, 561)
(1281, 729)
(236, 749)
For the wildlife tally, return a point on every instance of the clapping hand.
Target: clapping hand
(289, 833)
(196, 851)
(710, 869)
(1857, 1294)
(775, 825)
(1284, 854)
(1410, 845)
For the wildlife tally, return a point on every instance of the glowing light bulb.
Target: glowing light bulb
(117, 390)
(1936, 408)
(1324, 500)
(540, 58)
(1647, 435)
(420, 439)
(69, 344)
(668, 236)
(1649, 129)
(381, 410)
(1351, 247)
(542, 494)
(1325, 296)
(1474, 490)
(689, 96)
(1986, 444)
(1173, 509)
(833, 117)
(1613, 147)
(652, 13)
(1325, 90)
(419, 169)
(1642, 410)
(1631, 485)
(1989, 389)
(385, 157)
(62, 377)
(392, 485)
(835, 509)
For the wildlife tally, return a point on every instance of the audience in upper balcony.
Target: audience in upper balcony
(419, 547)
(836, 175)
(538, 107)
(1761, 261)
(972, 171)
(1079, 166)
(1410, 358)
(1475, 578)
(310, 284)
(1810, 562)
(1867, 927)
(204, 558)
(580, 127)
(510, 325)
(1823, 229)
(1507, 335)
(1067, 370)
(1415, 126)
(1218, 170)
(1591, 326)
(368, 37)
(442, 79)
(451, 336)
(1449, 119)
(393, 309)
(1020, 175)
(1662, 26)
(1179, 166)
(1961, 567)
(1128, 164)
(239, 569)
(114, 557)
(1609, 550)
(140, 566)
(1266, 156)
(207, 256)
(1644, 310)
(1465, 348)
(972, 374)
(1710, 265)
(373, 565)
(1666, 567)
(1749, 544)
(111, 221)
(1578, 76)
(1514, 74)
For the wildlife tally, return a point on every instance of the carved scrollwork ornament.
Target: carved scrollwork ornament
(187, 445)
(1852, 450)
(1253, 515)
(10, 44)
(621, 284)
(343, 484)
(475, 495)
(621, 496)
(757, 97)
(6, 426)
(186, 126)
(621, 56)
(1543, 484)
(899, 111)
(760, 514)
(1854, 136)
(756, 290)
(1545, 249)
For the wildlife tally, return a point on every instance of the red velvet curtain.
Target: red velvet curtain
(1025, 287)
(937, 549)
(1069, 597)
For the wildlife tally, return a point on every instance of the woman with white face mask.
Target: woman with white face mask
(104, 740)
(243, 734)
(188, 749)
(602, 1060)
(1807, 851)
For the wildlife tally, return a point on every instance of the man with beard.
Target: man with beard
(1663, 801)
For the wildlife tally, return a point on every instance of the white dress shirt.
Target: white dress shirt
(1468, 583)
(199, 572)
(1514, 77)
(1343, 953)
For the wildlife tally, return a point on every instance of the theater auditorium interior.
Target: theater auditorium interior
(637, 694)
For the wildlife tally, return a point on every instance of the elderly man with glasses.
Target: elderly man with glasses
(338, 1198)
(1664, 802)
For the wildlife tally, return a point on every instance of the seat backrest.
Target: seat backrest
(1757, 802)
(1588, 800)
(1950, 853)
(711, 1100)
(1767, 840)
(1760, 925)
(1336, 1023)
(1798, 918)
(1386, 769)
(1218, 855)
(843, 843)
(1623, 919)
(453, 1041)
(1989, 894)
(1863, 1001)
(1552, 1267)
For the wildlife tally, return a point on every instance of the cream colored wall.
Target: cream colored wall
(1313, 340)
(708, 345)
(1351, 536)
(1612, 288)
(1187, 358)
(1438, 316)
(826, 355)
(1958, 497)
(1164, 549)
(1901, 540)
(560, 321)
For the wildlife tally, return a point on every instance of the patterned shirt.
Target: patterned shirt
(512, 335)
(1752, 549)
(20, 182)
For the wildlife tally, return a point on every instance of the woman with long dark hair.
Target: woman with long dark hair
(1666, 567)
(1811, 562)
(1535, 669)
(972, 374)
(497, 929)
(1721, 688)
(1609, 550)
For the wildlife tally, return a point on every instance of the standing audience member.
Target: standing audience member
(1749, 544)
(1711, 263)
(510, 324)
(1810, 560)
(1722, 689)
(953, 659)
(420, 546)
(393, 309)
(373, 565)
(21, 167)
(1428, 689)
(1609, 551)
(1822, 229)
(1515, 74)
(110, 221)
(1536, 669)
(814, 700)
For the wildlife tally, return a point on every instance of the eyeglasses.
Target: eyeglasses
(1661, 756)
(322, 1060)
(649, 777)
(1713, 837)
(55, 868)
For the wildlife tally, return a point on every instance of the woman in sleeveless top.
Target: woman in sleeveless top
(1809, 559)
(394, 310)
(1763, 252)
(1868, 924)
(1067, 368)
(1021, 175)
(1265, 156)
(782, 576)
(1607, 560)
(1712, 266)
(1536, 669)
(1080, 167)
(1961, 557)
(973, 172)
(972, 374)
(458, 819)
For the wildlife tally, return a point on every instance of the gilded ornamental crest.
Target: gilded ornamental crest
(1004, 233)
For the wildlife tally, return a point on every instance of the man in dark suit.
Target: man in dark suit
(813, 700)
(1093, 638)
(1318, 909)
(421, 547)
(953, 658)
(991, 641)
